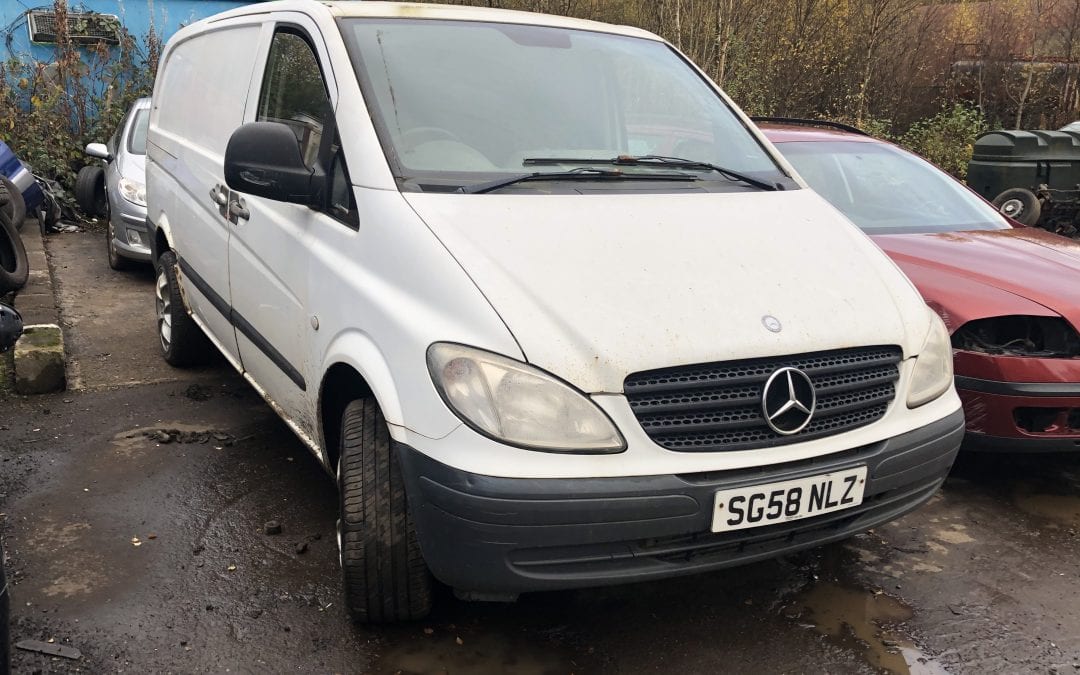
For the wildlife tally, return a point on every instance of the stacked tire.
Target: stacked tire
(14, 269)
(12, 202)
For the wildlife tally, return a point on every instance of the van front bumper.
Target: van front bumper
(483, 534)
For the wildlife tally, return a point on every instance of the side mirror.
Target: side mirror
(98, 150)
(11, 326)
(263, 159)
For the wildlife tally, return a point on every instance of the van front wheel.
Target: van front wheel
(384, 573)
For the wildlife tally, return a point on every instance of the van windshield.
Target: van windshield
(457, 103)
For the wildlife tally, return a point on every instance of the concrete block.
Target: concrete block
(39, 360)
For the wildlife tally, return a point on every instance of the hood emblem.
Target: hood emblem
(788, 401)
(772, 323)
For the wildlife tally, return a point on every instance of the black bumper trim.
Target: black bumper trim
(975, 442)
(508, 535)
(1047, 389)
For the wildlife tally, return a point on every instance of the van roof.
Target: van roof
(415, 10)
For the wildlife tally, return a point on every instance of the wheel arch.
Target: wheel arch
(161, 240)
(356, 370)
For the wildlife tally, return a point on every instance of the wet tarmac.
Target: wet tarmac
(133, 520)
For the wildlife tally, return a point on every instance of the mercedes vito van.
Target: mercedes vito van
(545, 302)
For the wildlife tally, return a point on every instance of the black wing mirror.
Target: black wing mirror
(264, 159)
(11, 327)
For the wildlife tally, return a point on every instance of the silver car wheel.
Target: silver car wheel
(111, 234)
(164, 309)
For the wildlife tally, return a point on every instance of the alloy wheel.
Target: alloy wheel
(164, 309)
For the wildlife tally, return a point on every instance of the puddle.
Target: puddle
(1061, 509)
(487, 654)
(865, 622)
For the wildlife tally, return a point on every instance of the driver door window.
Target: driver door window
(294, 93)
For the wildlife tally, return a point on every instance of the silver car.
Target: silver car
(117, 191)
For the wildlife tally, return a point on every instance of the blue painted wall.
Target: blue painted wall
(166, 16)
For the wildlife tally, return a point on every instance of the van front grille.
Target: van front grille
(717, 406)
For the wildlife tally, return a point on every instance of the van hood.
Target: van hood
(595, 287)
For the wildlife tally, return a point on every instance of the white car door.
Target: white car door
(269, 251)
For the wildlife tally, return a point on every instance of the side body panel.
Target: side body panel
(198, 101)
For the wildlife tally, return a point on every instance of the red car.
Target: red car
(1010, 295)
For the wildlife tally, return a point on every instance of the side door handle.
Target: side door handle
(238, 210)
(219, 194)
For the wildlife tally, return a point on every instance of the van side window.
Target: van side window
(294, 93)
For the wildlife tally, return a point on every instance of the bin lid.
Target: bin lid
(1027, 146)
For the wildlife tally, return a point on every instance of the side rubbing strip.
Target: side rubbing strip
(243, 326)
(216, 300)
(265, 347)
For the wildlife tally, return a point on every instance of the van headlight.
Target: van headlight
(933, 372)
(517, 404)
(132, 191)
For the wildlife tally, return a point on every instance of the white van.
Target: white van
(539, 295)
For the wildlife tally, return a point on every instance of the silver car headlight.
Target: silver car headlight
(517, 404)
(933, 374)
(132, 191)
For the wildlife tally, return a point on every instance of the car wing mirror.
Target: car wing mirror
(264, 159)
(11, 327)
(98, 150)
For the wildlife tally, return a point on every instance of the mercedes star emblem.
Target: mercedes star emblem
(788, 401)
(772, 323)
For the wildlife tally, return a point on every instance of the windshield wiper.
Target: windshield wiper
(659, 160)
(586, 173)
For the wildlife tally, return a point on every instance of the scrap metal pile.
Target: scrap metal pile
(1032, 177)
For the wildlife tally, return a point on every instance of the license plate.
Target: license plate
(781, 502)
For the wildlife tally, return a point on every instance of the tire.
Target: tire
(1019, 204)
(90, 190)
(385, 577)
(14, 268)
(14, 204)
(182, 341)
(116, 261)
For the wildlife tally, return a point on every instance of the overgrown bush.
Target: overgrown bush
(50, 110)
(947, 138)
